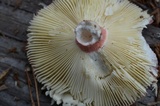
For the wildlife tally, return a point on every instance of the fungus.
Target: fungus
(92, 52)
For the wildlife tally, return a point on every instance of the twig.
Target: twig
(37, 94)
(29, 86)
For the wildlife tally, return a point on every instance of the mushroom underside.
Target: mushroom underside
(115, 73)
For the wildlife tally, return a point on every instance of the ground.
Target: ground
(15, 16)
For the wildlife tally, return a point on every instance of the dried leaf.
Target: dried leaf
(3, 87)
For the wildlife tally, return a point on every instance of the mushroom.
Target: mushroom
(92, 52)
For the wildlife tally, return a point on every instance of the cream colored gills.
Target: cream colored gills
(116, 72)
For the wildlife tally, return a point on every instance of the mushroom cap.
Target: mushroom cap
(116, 74)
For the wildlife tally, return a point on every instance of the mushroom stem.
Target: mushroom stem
(89, 36)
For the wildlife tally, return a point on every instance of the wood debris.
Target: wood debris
(16, 31)
(37, 92)
(3, 87)
(16, 98)
(157, 50)
(28, 69)
(29, 85)
(158, 95)
(13, 50)
(16, 78)
(23, 49)
(3, 75)
(18, 3)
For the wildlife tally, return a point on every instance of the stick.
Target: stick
(37, 94)
(29, 87)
